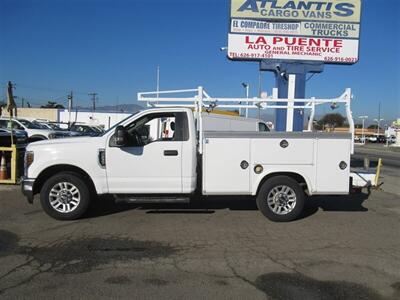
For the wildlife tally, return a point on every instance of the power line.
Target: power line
(25, 86)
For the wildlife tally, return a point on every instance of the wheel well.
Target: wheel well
(300, 179)
(50, 171)
(37, 138)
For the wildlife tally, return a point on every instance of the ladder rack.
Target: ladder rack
(200, 100)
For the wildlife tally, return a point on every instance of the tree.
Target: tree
(52, 104)
(332, 120)
(358, 126)
(374, 126)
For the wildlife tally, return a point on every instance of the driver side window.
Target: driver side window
(3, 124)
(157, 127)
(14, 125)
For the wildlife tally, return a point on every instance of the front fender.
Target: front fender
(70, 152)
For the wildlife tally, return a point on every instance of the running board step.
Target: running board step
(151, 199)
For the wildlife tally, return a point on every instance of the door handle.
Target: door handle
(170, 153)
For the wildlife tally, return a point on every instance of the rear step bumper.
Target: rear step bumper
(363, 179)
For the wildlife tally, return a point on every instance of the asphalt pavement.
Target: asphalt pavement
(389, 155)
(344, 247)
(390, 175)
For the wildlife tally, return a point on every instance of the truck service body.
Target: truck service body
(138, 164)
(215, 122)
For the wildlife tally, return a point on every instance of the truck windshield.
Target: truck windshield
(29, 124)
(262, 127)
(120, 122)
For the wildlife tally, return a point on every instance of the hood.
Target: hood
(63, 142)
(18, 133)
(41, 131)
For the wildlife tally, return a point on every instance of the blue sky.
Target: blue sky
(113, 47)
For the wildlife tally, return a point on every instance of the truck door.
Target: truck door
(151, 162)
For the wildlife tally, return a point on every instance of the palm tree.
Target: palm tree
(52, 104)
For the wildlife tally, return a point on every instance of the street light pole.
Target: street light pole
(363, 127)
(158, 80)
(259, 91)
(379, 124)
(247, 87)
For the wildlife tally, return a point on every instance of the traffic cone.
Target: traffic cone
(3, 168)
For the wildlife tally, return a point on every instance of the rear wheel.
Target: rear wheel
(65, 196)
(281, 199)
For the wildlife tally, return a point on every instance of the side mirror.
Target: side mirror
(121, 136)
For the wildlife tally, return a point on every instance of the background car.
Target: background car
(391, 139)
(381, 139)
(20, 138)
(86, 130)
(34, 131)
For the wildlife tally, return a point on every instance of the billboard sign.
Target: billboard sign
(325, 30)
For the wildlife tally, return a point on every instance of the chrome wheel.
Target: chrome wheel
(64, 197)
(281, 199)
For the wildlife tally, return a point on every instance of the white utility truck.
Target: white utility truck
(137, 164)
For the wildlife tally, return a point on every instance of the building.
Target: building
(99, 118)
(50, 114)
(357, 131)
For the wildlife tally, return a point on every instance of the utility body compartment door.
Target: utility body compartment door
(222, 171)
(330, 179)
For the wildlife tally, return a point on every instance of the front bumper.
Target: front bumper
(27, 188)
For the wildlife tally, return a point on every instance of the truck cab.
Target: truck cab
(136, 157)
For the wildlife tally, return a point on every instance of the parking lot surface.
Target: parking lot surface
(217, 248)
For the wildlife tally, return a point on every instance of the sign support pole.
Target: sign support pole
(291, 84)
(291, 96)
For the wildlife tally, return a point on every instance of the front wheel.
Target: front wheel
(65, 196)
(281, 199)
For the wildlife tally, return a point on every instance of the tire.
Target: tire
(281, 199)
(65, 196)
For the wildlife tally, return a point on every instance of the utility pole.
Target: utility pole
(158, 80)
(379, 117)
(70, 103)
(11, 101)
(94, 99)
